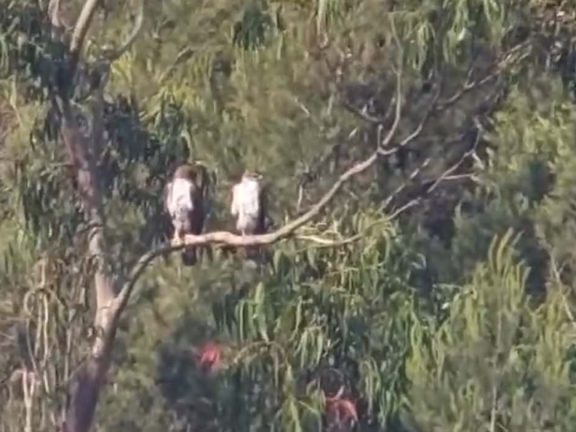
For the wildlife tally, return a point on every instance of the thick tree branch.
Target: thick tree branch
(80, 31)
(230, 239)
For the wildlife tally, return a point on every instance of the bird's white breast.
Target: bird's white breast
(180, 197)
(246, 204)
(248, 198)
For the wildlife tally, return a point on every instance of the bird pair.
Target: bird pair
(185, 200)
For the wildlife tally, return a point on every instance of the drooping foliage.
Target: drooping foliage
(406, 306)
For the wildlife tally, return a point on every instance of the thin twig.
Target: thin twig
(502, 64)
(446, 175)
(182, 56)
(405, 184)
(117, 53)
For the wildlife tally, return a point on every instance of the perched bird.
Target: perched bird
(184, 200)
(249, 207)
(249, 204)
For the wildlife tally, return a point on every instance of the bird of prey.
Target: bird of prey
(249, 204)
(184, 201)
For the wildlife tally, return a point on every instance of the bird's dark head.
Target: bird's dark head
(185, 171)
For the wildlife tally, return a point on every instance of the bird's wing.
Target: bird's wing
(263, 197)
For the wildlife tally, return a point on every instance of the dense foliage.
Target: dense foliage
(435, 293)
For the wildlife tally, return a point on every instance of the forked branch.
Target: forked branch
(383, 149)
(230, 239)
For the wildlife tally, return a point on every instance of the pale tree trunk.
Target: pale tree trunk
(90, 377)
(82, 152)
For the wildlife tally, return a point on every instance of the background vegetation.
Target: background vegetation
(435, 292)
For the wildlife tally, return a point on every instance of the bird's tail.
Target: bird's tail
(189, 257)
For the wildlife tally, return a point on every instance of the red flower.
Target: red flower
(210, 355)
(341, 410)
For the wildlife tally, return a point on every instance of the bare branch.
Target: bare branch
(327, 242)
(230, 239)
(405, 184)
(508, 59)
(417, 131)
(80, 32)
(362, 113)
(312, 170)
(445, 176)
(511, 57)
(117, 53)
(55, 15)
(395, 101)
(392, 132)
(182, 56)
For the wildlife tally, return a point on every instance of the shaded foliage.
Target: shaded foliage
(431, 319)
